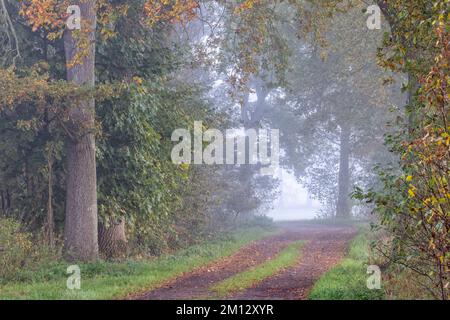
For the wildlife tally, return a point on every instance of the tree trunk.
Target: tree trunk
(50, 218)
(343, 205)
(112, 240)
(4, 204)
(252, 120)
(81, 243)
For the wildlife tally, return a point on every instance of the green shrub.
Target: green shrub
(261, 221)
(15, 248)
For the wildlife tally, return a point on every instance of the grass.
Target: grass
(241, 281)
(108, 280)
(331, 221)
(347, 280)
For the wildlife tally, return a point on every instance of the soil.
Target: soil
(325, 246)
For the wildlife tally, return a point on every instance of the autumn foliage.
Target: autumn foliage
(173, 11)
(415, 205)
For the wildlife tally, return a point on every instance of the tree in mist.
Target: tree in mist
(337, 110)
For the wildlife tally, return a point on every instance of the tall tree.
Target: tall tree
(342, 207)
(81, 198)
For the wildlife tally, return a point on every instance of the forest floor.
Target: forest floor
(274, 269)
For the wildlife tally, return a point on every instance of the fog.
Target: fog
(294, 202)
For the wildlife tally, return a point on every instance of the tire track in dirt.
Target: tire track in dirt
(196, 283)
(325, 246)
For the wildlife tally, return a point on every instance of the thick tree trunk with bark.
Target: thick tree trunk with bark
(81, 243)
(343, 203)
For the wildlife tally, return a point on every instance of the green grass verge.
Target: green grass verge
(330, 222)
(241, 281)
(348, 280)
(108, 280)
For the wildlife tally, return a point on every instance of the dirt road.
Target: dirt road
(325, 246)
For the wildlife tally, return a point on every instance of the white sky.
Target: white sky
(293, 203)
